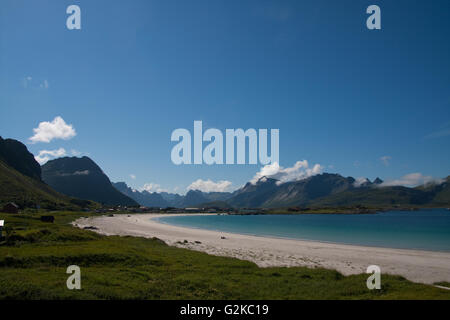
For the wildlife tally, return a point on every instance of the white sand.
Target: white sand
(415, 265)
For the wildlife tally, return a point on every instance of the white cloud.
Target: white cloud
(152, 187)
(81, 173)
(45, 155)
(360, 181)
(132, 176)
(411, 180)
(57, 129)
(300, 170)
(385, 160)
(210, 186)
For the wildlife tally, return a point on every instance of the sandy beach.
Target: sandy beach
(415, 265)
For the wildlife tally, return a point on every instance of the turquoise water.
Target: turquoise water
(422, 229)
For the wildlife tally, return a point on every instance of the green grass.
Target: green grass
(33, 266)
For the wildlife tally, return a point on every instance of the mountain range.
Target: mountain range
(73, 183)
(192, 198)
(322, 190)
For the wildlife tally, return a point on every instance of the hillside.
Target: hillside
(300, 193)
(20, 181)
(440, 192)
(16, 155)
(376, 197)
(83, 178)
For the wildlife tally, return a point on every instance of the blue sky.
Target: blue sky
(342, 96)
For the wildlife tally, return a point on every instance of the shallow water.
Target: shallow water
(422, 229)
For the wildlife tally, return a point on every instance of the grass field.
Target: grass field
(34, 259)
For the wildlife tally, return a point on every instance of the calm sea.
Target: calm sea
(422, 229)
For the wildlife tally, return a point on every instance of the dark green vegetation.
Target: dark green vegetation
(34, 259)
(82, 178)
(20, 181)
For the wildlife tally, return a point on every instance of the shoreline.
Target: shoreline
(415, 265)
(285, 238)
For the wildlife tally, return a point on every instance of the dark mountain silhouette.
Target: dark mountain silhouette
(16, 155)
(377, 181)
(20, 181)
(302, 192)
(83, 178)
(254, 195)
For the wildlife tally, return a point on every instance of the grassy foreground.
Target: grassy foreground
(33, 266)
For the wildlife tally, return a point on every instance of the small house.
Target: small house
(11, 207)
(2, 223)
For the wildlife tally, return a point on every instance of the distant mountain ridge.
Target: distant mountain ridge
(193, 198)
(83, 178)
(322, 190)
(144, 198)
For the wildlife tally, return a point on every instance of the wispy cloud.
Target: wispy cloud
(386, 160)
(300, 170)
(44, 84)
(29, 82)
(411, 180)
(56, 129)
(26, 80)
(46, 155)
(132, 176)
(443, 131)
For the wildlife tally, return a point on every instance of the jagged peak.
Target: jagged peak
(377, 181)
